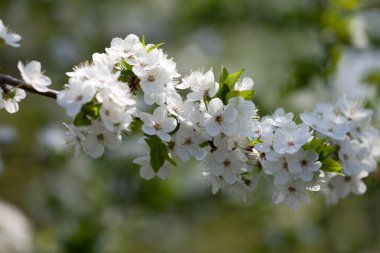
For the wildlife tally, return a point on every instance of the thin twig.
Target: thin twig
(11, 81)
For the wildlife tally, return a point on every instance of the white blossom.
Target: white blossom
(290, 140)
(10, 97)
(7, 37)
(187, 143)
(220, 118)
(245, 84)
(228, 164)
(282, 119)
(292, 194)
(74, 138)
(201, 85)
(31, 74)
(75, 96)
(158, 123)
(304, 164)
(124, 48)
(98, 138)
(146, 170)
(279, 169)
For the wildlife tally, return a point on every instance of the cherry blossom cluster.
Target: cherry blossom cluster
(346, 125)
(135, 86)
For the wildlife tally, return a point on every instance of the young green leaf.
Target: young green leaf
(254, 142)
(223, 75)
(323, 149)
(143, 40)
(81, 119)
(89, 111)
(159, 152)
(330, 165)
(155, 46)
(246, 94)
(92, 110)
(232, 78)
(157, 159)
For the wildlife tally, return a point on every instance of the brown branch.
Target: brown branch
(11, 81)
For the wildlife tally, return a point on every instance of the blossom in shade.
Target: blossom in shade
(7, 37)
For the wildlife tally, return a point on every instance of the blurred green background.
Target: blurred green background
(297, 52)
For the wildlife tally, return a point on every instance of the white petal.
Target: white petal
(164, 172)
(215, 105)
(281, 177)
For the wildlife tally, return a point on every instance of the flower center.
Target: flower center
(100, 137)
(219, 119)
(157, 126)
(347, 179)
(227, 163)
(151, 78)
(291, 189)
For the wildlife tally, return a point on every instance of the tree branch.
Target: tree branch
(11, 81)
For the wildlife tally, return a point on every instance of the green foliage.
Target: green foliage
(318, 145)
(143, 40)
(330, 165)
(226, 86)
(324, 151)
(254, 142)
(159, 152)
(246, 94)
(155, 46)
(89, 111)
(232, 78)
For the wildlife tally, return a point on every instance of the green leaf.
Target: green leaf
(323, 149)
(226, 85)
(155, 46)
(254, 142)
(330, 165)
(157, 159)
(314, 144)
(222, 93)
(204, 144)
(143, 40)
(159, 152)
(246, 94)
(81, 119)
(223, 75)
(92, 110)
(230, 95)
(232, 78)
(88, 111)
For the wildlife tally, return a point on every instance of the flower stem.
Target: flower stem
(11, 81)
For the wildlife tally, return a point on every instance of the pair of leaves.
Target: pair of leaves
(88, 112)
(159, 152)
(324, 151)
(152, 47)
(227, 84)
